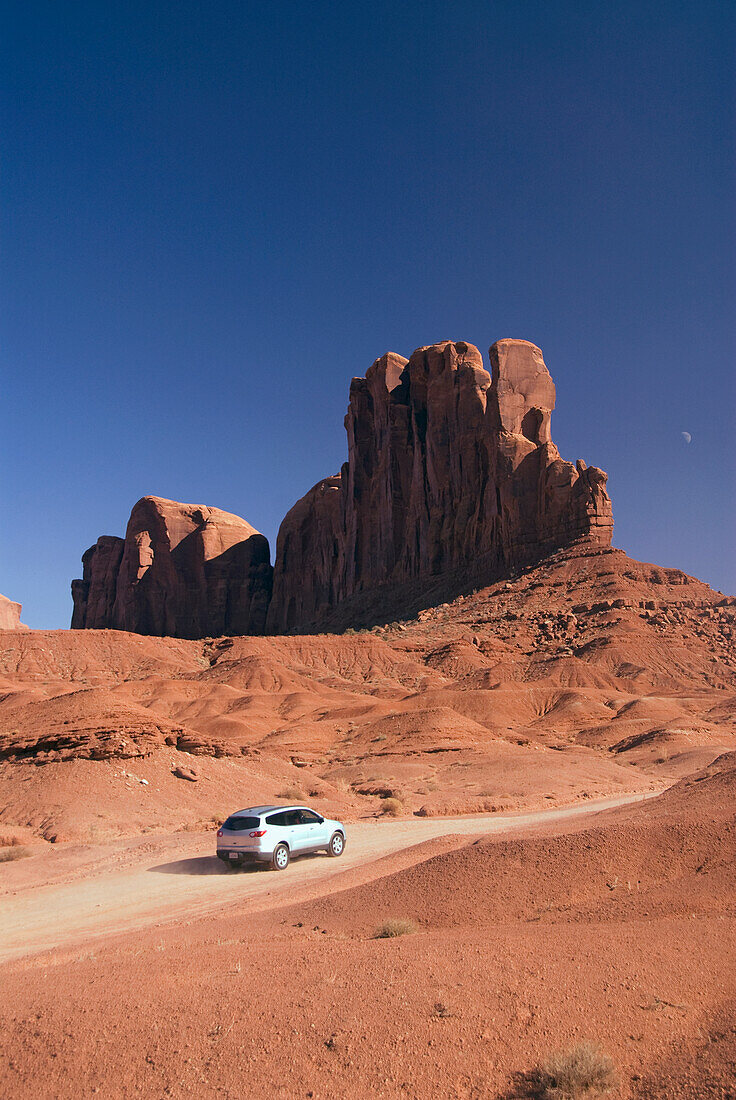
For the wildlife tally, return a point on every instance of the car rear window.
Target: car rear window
(237, 824)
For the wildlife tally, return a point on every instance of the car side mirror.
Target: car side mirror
(320, 819)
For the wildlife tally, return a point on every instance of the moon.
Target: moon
(686, 436)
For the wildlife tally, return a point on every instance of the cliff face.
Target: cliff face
(452, 481)
(10, 615)
(451, 473)
(183, 570)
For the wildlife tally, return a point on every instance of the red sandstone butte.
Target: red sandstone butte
(452, 481)
(451, 475)
(183, 570)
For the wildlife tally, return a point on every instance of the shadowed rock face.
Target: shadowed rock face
(183, 570)
(452, 481)
(451, 473)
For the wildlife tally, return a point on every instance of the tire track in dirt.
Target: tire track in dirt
(151, 892)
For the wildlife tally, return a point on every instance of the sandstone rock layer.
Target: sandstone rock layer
(452, 482)
(182, 570)
(452, 479)
(10, 615)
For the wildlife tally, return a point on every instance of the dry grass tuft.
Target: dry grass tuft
(15, 851)
(392, 806)
(9, 840)
(395, 927)
(293, 794)
(583, 1073)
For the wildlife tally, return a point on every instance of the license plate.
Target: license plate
(234, 855)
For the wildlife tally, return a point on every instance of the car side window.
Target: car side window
(295, 817)
(278, 819)
(309, 818)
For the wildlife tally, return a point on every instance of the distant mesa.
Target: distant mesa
(182, 570)
(452, 481)
(10, 615)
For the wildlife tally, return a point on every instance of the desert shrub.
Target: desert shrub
(8, 840)
(13, 852)
(392, 806)
(395, 927)
(582, 1073)
(341, 784)
(294, 794)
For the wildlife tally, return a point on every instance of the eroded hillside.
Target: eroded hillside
(587, 675)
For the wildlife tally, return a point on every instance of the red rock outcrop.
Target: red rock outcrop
(452, 479)
(183, 570)
(10, 615)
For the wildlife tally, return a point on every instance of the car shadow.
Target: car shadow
(201, 865)
(211, 865)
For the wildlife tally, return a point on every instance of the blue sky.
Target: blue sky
(214, 215)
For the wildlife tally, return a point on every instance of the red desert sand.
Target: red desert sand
(538, 776)
(136, 965)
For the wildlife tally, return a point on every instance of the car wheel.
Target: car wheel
(337, 845)
(280, 858)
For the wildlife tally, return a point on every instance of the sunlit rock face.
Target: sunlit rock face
(452, 481)
(451, 473)
(182, 570)
(10, 615)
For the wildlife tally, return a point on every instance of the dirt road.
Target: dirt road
(132, 886)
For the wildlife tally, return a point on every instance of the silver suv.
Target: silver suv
(273, 834)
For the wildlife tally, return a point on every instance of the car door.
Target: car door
(300, 830)
(284, 828)
(315, 830)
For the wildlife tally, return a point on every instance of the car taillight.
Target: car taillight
(258, 832)
(219, 832)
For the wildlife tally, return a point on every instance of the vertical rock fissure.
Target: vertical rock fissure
(452, 479)
(463, 477)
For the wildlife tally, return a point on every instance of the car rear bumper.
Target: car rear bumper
(243, 855)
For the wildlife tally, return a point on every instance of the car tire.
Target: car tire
(280, 858)
(336, 846)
